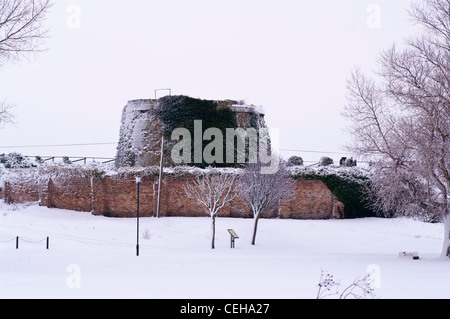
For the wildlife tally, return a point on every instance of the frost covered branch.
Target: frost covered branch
(265, 192)
(401, 121)
(6, 117)
(327, 285)
(360, 288)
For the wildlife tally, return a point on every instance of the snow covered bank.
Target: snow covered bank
(94, 257)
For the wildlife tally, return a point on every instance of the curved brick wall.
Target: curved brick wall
(116, 196)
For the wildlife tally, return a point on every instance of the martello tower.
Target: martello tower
(145, 121)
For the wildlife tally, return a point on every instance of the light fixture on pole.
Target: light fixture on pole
(138, 182)
(157, 90)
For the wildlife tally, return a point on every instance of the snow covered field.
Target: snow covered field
(95, 257)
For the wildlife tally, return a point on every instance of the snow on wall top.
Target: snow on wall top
(99, 170)
(239, 108)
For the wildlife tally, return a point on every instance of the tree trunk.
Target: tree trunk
(213, 230)
(446, 246)
(255, 229)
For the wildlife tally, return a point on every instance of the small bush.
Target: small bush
(15, 160)
(348, 162)
(295, 161)
(146, 234)
(325, 161)
(66, 160)
(38, 159)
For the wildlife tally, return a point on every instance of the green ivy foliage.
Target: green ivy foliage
(349, 186)
(181, 112)
(352, 194)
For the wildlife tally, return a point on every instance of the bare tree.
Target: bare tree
(21, 33)
(5, 113)
(401, 120)
(21, 27)
(265, 192)
(213, 191)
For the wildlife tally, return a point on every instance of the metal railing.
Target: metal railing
(73, 159)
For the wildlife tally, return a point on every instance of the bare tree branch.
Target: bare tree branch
(21, 27)
(6, 116)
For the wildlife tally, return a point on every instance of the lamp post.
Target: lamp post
(138, 182)
(160, 177)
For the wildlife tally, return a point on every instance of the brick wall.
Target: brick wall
(116, 196)
(21, 191)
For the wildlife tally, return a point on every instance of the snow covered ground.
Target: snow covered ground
(95, 257)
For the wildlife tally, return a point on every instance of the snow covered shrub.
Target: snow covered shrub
(295, 161)
(66, 160)
(426, 217)
(1, 177)
(325, 161)
(95, 171)
(146, 234)
(127, 159)
(348, 162)
(15, 160)
(38, 160)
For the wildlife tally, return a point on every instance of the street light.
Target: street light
(138, 182)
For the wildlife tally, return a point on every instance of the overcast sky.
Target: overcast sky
(291, 56)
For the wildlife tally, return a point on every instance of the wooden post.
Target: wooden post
(48, 242)
(17, 242)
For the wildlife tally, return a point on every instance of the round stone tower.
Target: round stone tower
(141, 129)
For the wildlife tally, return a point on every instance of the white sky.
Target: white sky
(291, 56)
